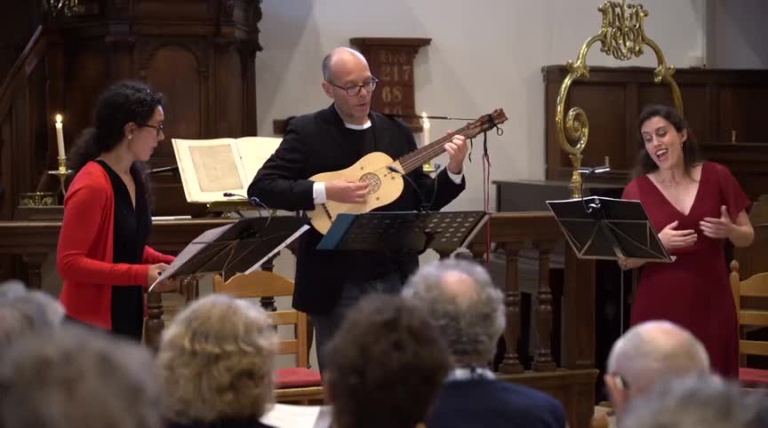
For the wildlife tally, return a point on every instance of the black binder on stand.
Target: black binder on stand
(609, 229)
(240, 247)
(414, 232)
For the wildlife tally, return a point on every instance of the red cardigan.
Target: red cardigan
(84, 259)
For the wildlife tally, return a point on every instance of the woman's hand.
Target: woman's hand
(717, 228)
(674, 239)
(154, 273)
(626, 264)
(167, 285)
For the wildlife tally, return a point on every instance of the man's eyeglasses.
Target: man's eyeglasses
(158, 128)
(354, 90)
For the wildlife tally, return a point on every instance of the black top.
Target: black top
(319, 142)
(223, 423)
(131, 230)
(492, 403)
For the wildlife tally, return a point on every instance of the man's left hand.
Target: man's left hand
(457, 151)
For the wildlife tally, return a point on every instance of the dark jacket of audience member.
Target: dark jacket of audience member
(388, 362)
(490, 403)
(461, 299)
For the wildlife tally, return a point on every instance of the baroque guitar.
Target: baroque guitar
(385, 175)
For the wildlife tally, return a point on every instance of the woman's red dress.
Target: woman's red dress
(693, 291)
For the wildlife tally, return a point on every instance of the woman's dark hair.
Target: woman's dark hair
(122, 103)
(645, 164)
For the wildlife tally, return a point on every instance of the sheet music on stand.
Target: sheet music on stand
(609, 229)
(403, 231)
(242, 246)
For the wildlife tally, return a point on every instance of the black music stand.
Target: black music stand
(240, 247)
(404, 232)
(609, 229)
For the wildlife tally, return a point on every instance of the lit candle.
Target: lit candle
(425, 125)
(60, 135)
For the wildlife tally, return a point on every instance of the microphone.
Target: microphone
(164, 169)
(413, 116)
(424, 207)
(586, 172)
(253, 201)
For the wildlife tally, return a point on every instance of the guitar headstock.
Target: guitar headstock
(485, 123)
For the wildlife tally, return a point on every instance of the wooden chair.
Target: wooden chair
(294, 384)
(754, 286)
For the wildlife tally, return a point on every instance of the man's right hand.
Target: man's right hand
(346, 191)
(154, 272)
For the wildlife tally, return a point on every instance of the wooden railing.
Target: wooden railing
(569, 378)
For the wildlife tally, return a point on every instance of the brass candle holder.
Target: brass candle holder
(62, 172)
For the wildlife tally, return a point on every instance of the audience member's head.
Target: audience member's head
(11, 288)
(78, 378)
(460, 298)
(216, 360)
(385, 365)
(703, 401)
(650, 352)
(23, 312)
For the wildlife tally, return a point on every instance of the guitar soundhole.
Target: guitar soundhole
(373, 181)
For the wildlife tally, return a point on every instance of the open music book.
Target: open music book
(208, 168)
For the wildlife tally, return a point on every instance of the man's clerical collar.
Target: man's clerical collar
(364, 126)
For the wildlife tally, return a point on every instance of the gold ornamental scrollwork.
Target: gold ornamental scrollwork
(623, 37)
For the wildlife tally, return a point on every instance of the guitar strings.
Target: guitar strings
(433, 149)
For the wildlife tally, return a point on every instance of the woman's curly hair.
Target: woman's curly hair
(216, 360)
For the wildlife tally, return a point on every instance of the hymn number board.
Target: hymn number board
(391, 62)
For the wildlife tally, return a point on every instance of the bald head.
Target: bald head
(460, 287)
(347, 80)
(461, 299)
(654, 350)
(342, 58)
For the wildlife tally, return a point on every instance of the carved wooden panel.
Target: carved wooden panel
(716, 102)
(391, 61)
(611, 98)
(229, 94)
(86, 78)
(743, 112)
(199, 53)
(175, 71)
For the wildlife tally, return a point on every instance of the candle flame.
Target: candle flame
(424, 119)
(58, 118)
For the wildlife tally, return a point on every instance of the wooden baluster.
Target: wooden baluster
(34, 263)
(578, 332)
(268, 302)
(543, 360)
(190, 289)
(511, 364)
(153, 326)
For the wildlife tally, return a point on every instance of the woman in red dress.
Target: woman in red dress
(695, 205)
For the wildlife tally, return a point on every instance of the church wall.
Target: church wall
(736, 34)
(484, 55)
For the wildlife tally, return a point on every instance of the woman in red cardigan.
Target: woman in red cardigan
(102, 253)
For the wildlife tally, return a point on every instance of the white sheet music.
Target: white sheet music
(294, 416)
(278, 248)
(201, 241)
(209, 236)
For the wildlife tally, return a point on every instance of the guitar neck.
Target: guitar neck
(419, 157)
